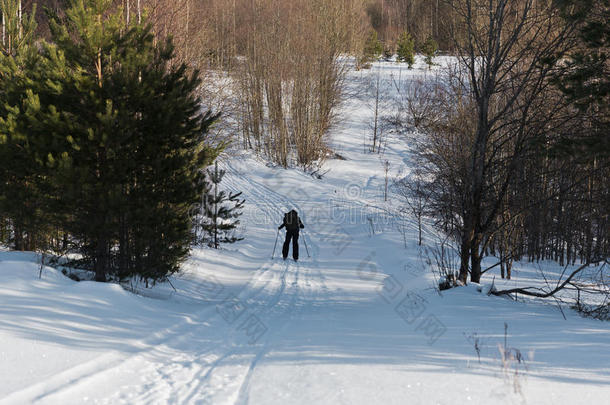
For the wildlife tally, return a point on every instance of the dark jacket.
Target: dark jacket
(292, 221)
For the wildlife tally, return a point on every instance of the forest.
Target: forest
(513, 145)
(305, 202)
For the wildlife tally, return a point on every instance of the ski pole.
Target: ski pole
(306, 248)
(276, 236)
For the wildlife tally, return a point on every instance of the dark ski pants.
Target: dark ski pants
(294, 235)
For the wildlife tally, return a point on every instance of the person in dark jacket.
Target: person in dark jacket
(293, 223)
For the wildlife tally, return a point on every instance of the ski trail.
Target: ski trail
(289, 311)
(274, 312)
(278, 309)
(85, 372)
(243, 394)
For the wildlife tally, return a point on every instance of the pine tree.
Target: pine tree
(388, 52)
(406, 49)
(220, 211)
(429, 48)
(372, 49)
(586, 81)
(17, 27)
(126, 141)
(21, 202)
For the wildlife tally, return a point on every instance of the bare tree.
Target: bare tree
(486, 120)
(290, 77)
(416, 195)
(377, 131)
(377, 90)
(508, 54)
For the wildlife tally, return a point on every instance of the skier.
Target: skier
(293, 223)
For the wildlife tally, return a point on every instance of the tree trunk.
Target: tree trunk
(464, 256)
(124, 246)
(3, 30)
(101, 257)
(216, 207)
(419, 229)
(100, 267)
(18, 237)
(475, 261)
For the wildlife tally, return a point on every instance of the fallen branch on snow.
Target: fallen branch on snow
(542, 293)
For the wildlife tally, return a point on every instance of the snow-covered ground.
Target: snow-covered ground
(357, 322)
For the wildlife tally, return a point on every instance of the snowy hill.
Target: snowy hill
(357, 321)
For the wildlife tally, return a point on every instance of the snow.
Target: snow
(358, 322)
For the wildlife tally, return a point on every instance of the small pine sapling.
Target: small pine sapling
(429, 48)
(220, 211)
(388, 52)
(372, 49)
(406, 49)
